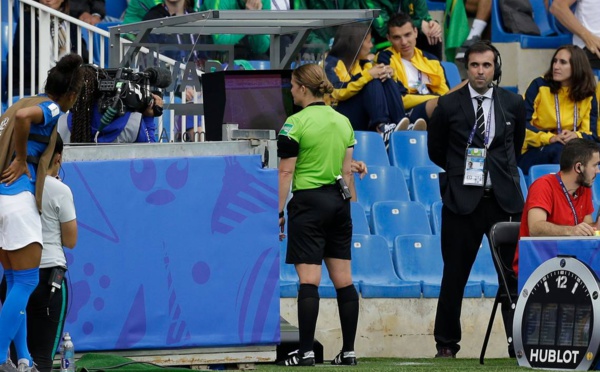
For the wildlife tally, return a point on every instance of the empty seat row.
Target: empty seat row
(411, 270)
(407, 149)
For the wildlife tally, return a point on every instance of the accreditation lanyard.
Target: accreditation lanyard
(486, 137)
(568, 199)
(575, 115)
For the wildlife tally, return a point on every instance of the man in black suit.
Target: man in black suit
(480, 123)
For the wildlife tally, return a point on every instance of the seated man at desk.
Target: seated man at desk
(561, 204)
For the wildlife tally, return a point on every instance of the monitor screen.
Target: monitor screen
(253, 99)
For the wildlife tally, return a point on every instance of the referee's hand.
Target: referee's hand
(281, 228)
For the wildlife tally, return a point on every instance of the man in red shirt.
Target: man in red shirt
(561, 204)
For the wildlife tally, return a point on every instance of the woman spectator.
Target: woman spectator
(84, 122)
(365, 93)
(561, 105)
(21, 186)
(315, 146)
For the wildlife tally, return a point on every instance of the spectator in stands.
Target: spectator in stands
(249, 47)
(169, 8)
(46, 309)
(29, 137)
(482, 10)
(59, 37)
(561, 204)
(320, 40)
(316, 146)
(137, 9)
(561, 106)
(84, 124)
(193, 93)
(89, 11)
(584, 24)
(421, 75)
(429, 37)
(365, 93)
(480, 123)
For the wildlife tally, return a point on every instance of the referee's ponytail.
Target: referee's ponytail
(313, 77)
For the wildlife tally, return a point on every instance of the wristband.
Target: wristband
(281, 214)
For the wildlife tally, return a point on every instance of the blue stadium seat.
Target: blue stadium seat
(539, 170)
(436, 217)
(115, 8)
(370, 148)
(288, 278)
(433, 5)
(484, 271)
(382, 183)
(425, 185)
(408, 149)
(523, 182)
(360, 224)
(596, 193)
(393, 218)
(372, 267)
(419, 258)
(500, 35)
(452, 74)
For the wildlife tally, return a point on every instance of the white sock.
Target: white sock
(477, 28)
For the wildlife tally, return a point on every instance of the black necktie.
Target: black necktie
(480, 116)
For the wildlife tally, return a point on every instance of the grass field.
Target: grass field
(104, 362)
(416, 365)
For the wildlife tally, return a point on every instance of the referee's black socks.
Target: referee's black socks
(347, 300)
(308, 311)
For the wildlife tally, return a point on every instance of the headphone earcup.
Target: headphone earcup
(497, 71)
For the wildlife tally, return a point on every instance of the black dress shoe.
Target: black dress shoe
(445, 352)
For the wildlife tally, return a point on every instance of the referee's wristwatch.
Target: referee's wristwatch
(281, 214)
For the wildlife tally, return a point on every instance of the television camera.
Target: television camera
(122, 90)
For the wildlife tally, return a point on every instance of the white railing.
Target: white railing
(42, 17)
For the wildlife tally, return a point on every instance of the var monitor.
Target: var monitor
(253, 99)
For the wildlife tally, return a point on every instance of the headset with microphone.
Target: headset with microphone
(484, 45)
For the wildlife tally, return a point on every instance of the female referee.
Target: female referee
(315, 146)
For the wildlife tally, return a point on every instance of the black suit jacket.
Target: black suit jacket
(448, 133)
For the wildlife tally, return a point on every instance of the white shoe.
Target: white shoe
(403, 124)
(24, 367)
(420, 124)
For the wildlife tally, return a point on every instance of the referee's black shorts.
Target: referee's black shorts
(319, 226)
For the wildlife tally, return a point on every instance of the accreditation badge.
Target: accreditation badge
(474, 167)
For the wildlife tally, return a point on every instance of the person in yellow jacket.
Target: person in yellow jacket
(363, 92)
(421, 74)
(560, 106)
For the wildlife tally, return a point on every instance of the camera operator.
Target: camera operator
(85, 121)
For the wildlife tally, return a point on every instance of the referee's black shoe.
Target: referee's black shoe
(297, 360)
(345, 358)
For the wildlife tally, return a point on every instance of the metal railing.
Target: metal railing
(43, 18)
